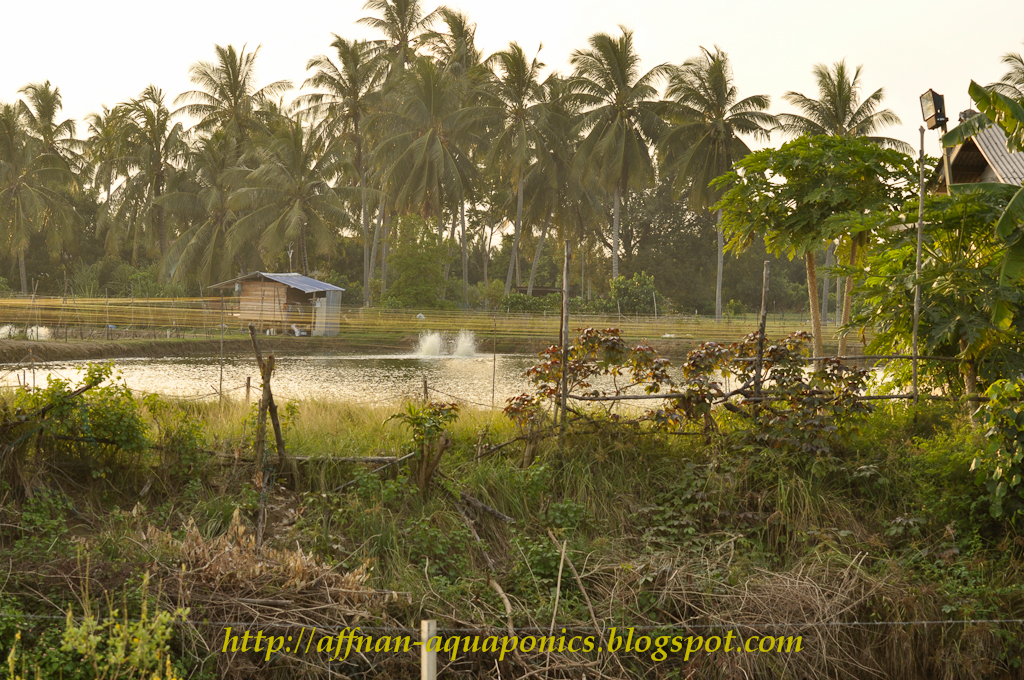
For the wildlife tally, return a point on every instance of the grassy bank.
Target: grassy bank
(658, 531)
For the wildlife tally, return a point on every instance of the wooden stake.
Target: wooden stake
(761, 328)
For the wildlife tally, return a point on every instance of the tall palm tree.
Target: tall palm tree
(516, 107)
(350, 89)
(41, 110)
(404, 26)
(622, 121)
(424, 142)
(30, 196)
(154, 148)
(228, 97)
(289, 197)
(1012, 82)
(456, 47)
(104, 147)
(707, 118)
(839, 111)
(200, 204)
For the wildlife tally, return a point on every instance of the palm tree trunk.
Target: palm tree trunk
(487, 254)
(514, 260)
(21, 270)
(721, 263)
(448, 253)
(373, 253)
(812, 292)
(615, 235)
(848, 294)
(364, 221)
(305, 253)
(536, 255)
(384, 256)
(825, 287)
(465, 257)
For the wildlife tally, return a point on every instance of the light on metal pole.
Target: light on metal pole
(290, 251)
(933, 110)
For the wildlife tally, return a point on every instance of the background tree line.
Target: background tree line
(499, 163)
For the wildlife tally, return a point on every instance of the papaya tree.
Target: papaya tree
(803, 194)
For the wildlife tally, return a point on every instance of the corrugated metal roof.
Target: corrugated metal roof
(1009, 167)
(292, 280)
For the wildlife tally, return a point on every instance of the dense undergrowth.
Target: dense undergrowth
(128, 513)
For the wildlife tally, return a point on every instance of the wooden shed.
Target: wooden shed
(289, 303)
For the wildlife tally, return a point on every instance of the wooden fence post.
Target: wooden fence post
(761, 329)
(428, 657)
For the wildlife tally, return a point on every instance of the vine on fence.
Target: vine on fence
(802, 414)
(1000, 465)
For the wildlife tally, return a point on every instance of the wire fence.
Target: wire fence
(70, 318)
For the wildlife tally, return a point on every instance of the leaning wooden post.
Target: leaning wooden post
(261, 435)
(267, 405)
(428, 657)
(761, 330)
(917, 267)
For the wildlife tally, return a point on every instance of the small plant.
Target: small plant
(118, 648)
(1001, 464)
(430, 439)
(44, 523)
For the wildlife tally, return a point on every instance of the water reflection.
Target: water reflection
(352, 378)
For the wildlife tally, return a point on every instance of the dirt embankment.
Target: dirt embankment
(17, 351)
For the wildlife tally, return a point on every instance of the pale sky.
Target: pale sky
(107, 52)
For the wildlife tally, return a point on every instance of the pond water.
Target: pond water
(340, 377)
(452, 366)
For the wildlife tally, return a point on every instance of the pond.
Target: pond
(452, 367)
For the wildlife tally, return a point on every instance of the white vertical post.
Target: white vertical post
(428, 658)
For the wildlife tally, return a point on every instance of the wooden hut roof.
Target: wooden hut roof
(299, 282)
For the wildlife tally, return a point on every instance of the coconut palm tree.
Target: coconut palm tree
(200, 204)
(516, 108)
(349, 90)
(154, 147)
(289, 197)
(404, 26)
(706, 120)
(423, 151)
(621, 122)
(456, 47)
(228, 98)
(103, 148)
(30, 196)
(40, 111)
(839, 111)
(1012, 82)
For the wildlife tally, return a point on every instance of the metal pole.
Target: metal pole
(917, 265)
(428, 657)
(426, 392)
